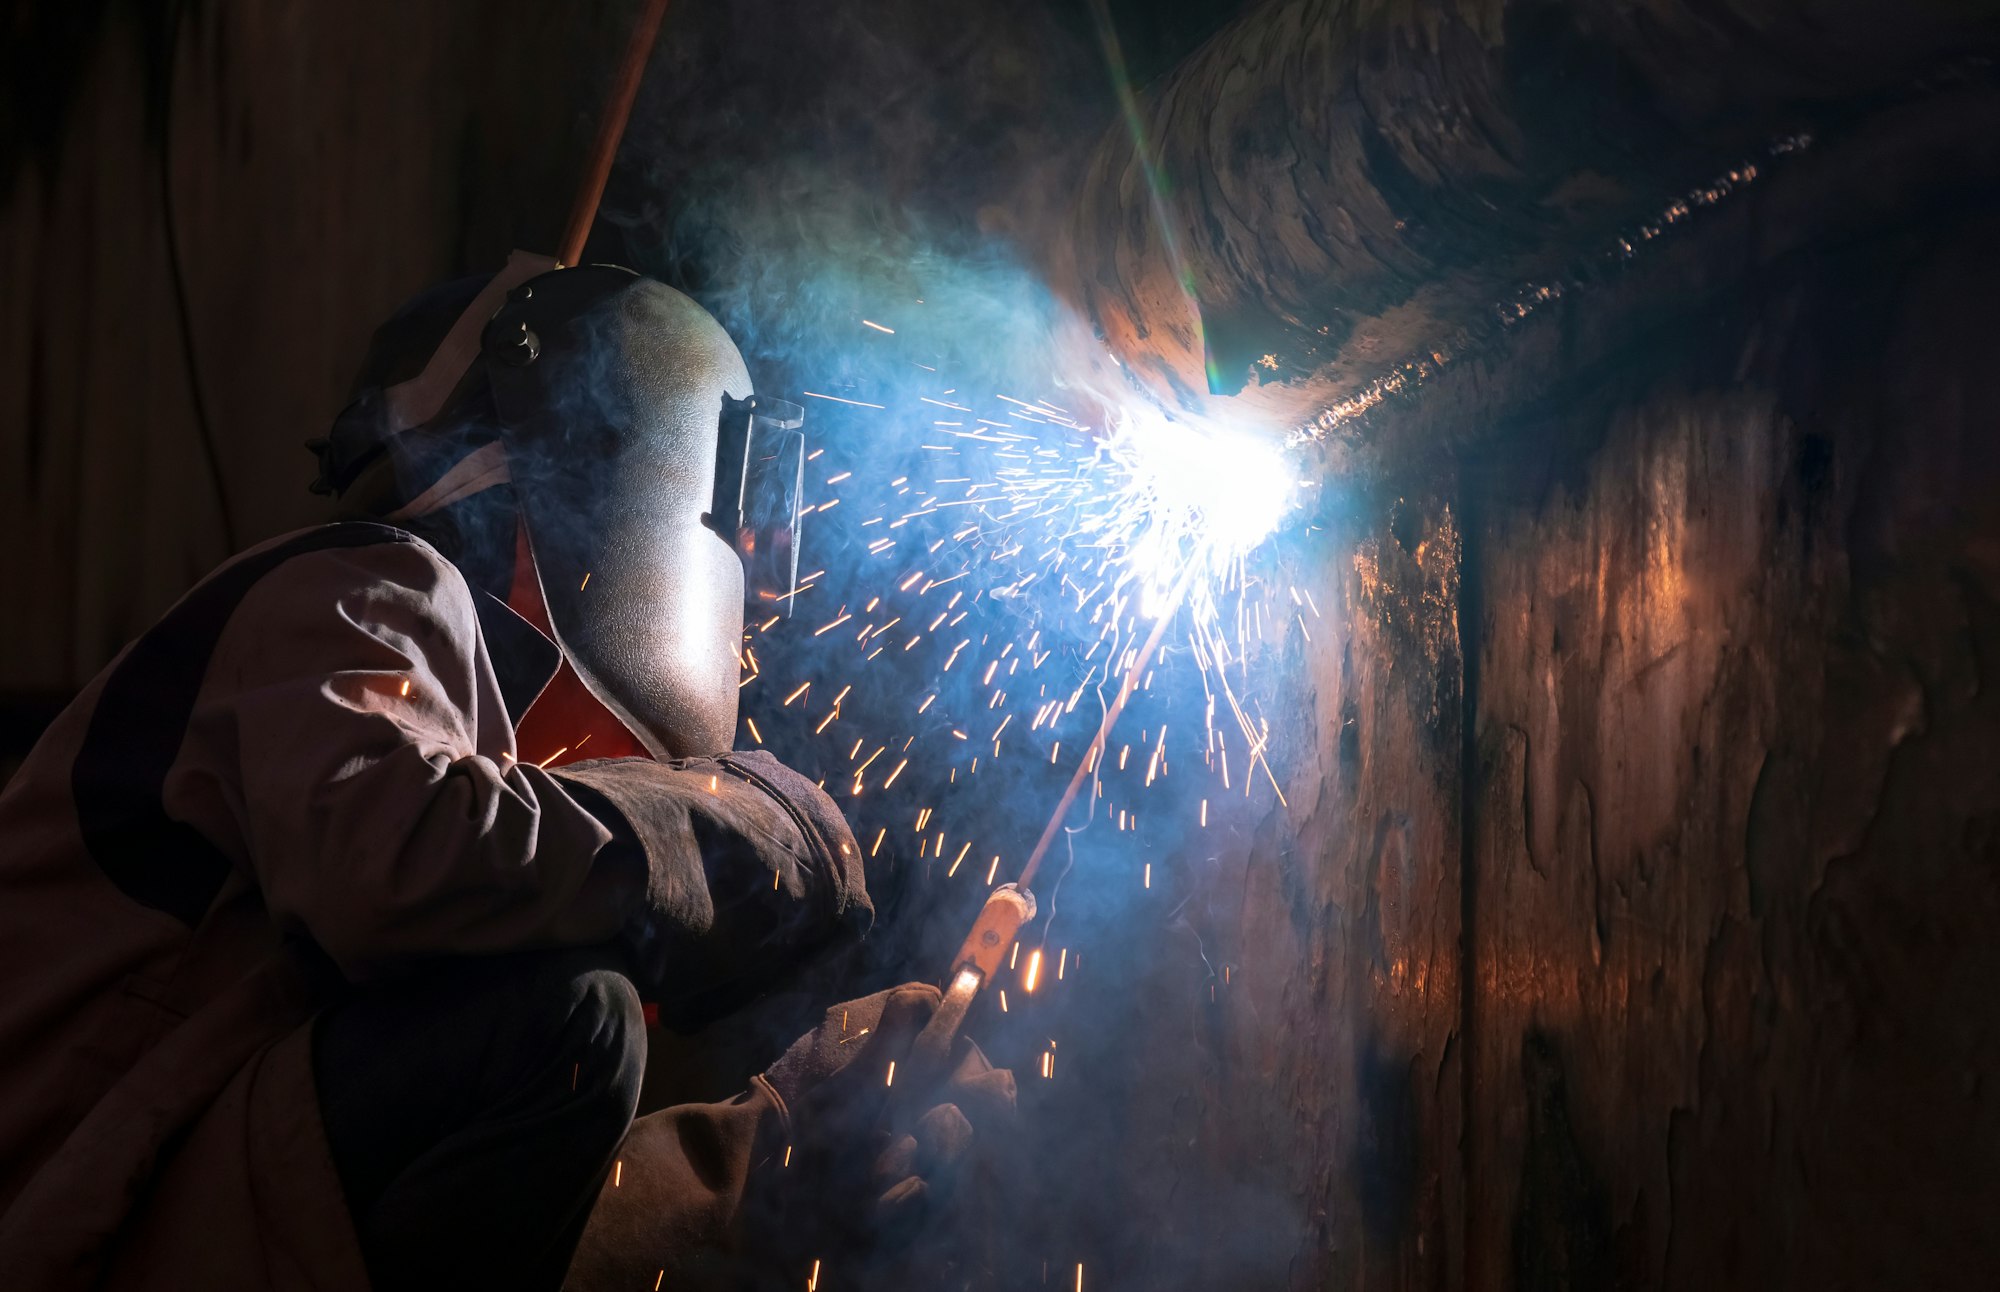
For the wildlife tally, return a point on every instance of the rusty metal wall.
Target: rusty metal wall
(1735, 792)
(1297, 1088)
(1698, 991)
(1698, 567)
(1336, 199)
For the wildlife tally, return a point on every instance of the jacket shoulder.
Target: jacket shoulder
(353, 554)
(369, 541)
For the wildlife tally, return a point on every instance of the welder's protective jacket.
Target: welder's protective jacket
(303, 777)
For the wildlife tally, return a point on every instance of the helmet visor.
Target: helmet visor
(759, 481)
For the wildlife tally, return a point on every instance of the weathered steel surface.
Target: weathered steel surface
(1734, 815)
(1351, 188)
(1723, 1013)
(1298, 1119)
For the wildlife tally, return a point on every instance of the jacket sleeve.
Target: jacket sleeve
(371, 760)
(751, 872)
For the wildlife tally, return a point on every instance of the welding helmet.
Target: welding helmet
(653, 485)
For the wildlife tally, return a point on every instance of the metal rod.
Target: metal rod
(610, 129)
(933, 1046)
(1098, 742)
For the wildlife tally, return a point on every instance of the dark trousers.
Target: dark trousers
(473, 1110)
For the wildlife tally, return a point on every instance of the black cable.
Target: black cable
(204, 429)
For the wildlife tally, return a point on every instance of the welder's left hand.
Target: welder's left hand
(876, 1159)
(824, 1159)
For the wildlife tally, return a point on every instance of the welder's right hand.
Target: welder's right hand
(877, 1152)
(749, 871)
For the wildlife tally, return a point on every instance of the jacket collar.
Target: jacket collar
(524, 659)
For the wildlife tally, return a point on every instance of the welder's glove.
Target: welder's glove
(874, 1156)
(822, 1159)
(750, 872)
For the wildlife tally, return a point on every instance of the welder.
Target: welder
(328, 909)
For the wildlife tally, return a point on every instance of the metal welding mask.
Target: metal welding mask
(652, 483)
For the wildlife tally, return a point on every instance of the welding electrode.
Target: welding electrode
(1012, 905)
